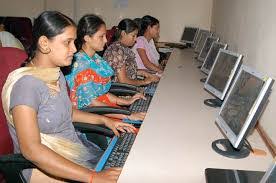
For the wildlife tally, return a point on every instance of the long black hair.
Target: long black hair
(147, 21)
(127, 25)
(88, 25)
(49, 24)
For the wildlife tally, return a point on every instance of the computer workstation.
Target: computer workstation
(240, 111)
(187, 39)
(174, 141)
(221, 76)
(211, 57)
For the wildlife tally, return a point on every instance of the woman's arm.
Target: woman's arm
(91, 118)
(153, 77)
(28, 134)
(147, 63)
(123, 78)
(47, 160)
(123, 101)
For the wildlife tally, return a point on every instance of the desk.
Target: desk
(174, 142)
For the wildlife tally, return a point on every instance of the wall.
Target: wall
(248, 26)
(173, 15)
(26, 8)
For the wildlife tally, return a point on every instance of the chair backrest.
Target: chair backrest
(10, 59)
(110, 35)
(21, 28)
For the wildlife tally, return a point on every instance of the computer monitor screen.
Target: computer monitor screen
(189, 35)
(211, 56)
(220, 77)
(202, 40)
(198, 36)
(243, 105)
(205, 49)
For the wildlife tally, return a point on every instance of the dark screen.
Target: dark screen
(241, 100)
(189, 34)
(212, 56)
(221, 71)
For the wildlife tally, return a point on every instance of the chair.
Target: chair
(11, 164)
(21, 28)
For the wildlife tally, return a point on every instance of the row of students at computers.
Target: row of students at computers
(39, 111)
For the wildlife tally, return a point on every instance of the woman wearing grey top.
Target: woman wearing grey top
(40, 114)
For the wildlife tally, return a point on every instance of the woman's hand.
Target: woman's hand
(135, 97)
(155, 77)
(137, 116)
(110, 175)
(116, 125)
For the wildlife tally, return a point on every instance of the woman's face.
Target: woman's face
(129, 39)
(62, 47)
(97, 41)
(154, 31)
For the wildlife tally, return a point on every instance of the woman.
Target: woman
(122, 59)
(147, 57)
(90, 76)
(40, 114)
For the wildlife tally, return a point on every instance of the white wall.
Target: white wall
(173, 15)
(26, 8)
(249, 27)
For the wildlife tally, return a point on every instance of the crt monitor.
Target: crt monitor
(242, 107)
(211, 56)
(206, 47)
(189, 35)
(222, 73)
(198, 36)
(201, 41)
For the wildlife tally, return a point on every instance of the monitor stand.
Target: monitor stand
(216, 102)
(203, 80)
(229, 151)
(199, 66)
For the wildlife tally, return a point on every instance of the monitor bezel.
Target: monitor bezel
(251, 120)
(203, 69)
(200, 58)
(197, 49)
(185, 41)
(200, 31)
(238, 63)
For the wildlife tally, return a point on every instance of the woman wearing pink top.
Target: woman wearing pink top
(147, 56)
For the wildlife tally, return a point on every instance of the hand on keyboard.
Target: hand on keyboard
(137, 96)
(110, 175)
(117, 126)
(137, 116)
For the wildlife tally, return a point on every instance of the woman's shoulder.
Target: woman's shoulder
(28, 85)
(114, 47)
(29, 80)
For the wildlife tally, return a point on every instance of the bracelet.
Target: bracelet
(91, 177)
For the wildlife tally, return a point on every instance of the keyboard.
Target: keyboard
(176, 45)
(117, 151)
(141, 105)
(150, 89)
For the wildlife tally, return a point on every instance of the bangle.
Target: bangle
(91, 177)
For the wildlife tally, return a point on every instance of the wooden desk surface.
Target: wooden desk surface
(174, 142)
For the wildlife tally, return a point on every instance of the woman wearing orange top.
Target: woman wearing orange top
(90, 76)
